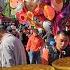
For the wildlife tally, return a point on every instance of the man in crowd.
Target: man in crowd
(67, 49)
(61, 42)
(11, 50)
(35, 43)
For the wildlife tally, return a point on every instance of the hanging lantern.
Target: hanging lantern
(15, 3)
(49, 12)
(57, 4)
(31, 4)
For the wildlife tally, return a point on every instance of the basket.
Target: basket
(30, 67)
(62, 64)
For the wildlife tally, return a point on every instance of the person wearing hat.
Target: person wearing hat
(34, 44)
(12, 51)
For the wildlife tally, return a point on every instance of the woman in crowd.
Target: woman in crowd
(12, 51)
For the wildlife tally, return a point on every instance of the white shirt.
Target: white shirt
(11, 51)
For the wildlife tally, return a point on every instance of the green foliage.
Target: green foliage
(6, 10)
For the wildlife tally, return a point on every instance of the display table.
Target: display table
(30, 67)
(62, 64)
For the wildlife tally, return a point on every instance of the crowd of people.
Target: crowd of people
(25, 45)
